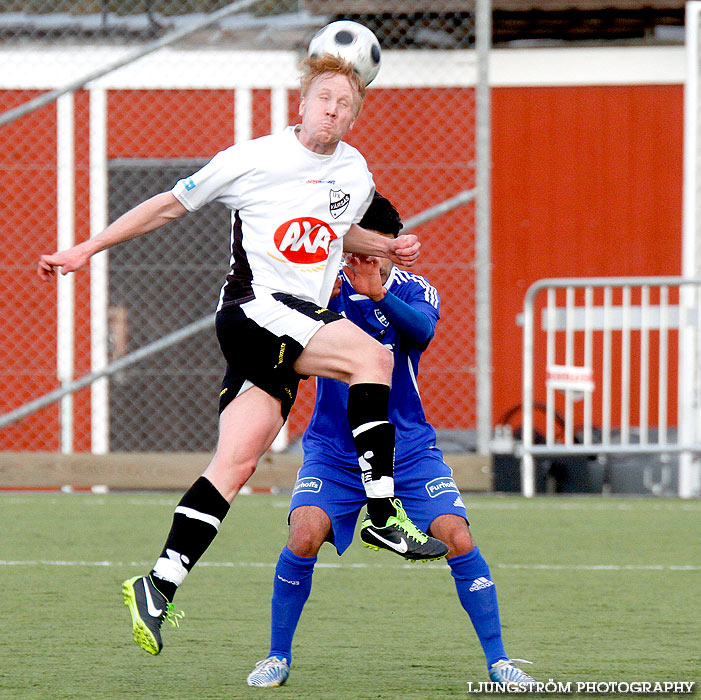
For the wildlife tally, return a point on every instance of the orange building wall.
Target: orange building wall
(586, 181)
(28, 170)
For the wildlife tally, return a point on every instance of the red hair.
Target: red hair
(314, 66)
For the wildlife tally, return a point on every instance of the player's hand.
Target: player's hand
(336, 288)
(67, 261)
(364, 274)
(404, 250)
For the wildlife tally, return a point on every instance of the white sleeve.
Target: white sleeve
(213, 181)
(364, 206)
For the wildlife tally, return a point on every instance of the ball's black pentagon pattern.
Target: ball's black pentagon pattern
(344, 38)
(353, 42)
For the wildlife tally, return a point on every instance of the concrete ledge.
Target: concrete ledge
(472, 472)
(177, 470)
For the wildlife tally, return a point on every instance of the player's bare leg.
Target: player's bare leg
(455, 532)
(309, 528)
(247, 427)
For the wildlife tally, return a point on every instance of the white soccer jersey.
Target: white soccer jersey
(290, 208)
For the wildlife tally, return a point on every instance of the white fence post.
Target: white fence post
(65, 238)
(99, 391)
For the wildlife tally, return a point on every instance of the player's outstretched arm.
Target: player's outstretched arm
(412, 323)
(145, 217)
(402, 251)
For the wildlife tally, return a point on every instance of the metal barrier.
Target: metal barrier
(618, 361)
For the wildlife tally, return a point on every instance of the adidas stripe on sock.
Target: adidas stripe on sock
(478, 596)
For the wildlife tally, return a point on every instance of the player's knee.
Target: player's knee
(305, 541)
(245, 470)
(387, 360)
(304, 544)
(242, 469)
(459, 544)
(454, 531)
(309, 528)
(228, 478)
(378, 361)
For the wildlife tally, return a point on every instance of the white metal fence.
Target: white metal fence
(617, 361)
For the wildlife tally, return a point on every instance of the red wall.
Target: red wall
(586, 181)
(27, 370)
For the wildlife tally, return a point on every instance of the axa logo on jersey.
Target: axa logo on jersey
(305, 240)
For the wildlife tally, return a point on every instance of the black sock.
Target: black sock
(195, 524)
(373, 436)
(379, 509)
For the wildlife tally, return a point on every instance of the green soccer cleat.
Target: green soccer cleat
(148, 608)
(401, 536)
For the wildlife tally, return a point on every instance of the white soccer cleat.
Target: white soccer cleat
(269, 673)
(505, 672)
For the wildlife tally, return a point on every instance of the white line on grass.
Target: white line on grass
(578, 503)
(472, 501)
(322, 565)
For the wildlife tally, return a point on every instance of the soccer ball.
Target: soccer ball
(351, 41)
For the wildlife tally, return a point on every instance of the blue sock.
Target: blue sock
(478, 596)
(291, 588)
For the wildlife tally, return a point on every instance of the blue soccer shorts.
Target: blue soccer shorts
(424, 484)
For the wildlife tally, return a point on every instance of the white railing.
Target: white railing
(606, 357)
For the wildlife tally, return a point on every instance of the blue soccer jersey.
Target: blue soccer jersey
(328, 431)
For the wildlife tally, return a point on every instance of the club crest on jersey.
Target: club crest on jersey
(381, 318)
(339, 202)
(305, 240)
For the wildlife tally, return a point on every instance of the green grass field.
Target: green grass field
(590, 589)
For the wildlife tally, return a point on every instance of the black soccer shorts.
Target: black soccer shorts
(261, 339)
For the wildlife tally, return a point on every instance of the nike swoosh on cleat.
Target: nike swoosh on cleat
(401, 547)
(153, 611)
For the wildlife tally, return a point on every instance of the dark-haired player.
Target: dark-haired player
(400, 310)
